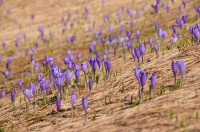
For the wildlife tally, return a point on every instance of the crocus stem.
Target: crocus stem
(72, 113)
(141, 98)
(85, 82)
(35, 100)
(86, 118)
(57, 119)
(182, 82)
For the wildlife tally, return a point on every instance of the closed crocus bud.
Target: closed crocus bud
(3, 94)
(164, 33)
(42, 84)
(137, 53)
(68, 75)
(150, 41)
(142, 48)
(196, 33)
(138, 34)
(160, 33)
(143, 78)
(182, 67)
(28, 94)
(174, 68)
(156, 25)
(184, 18)
(174, 28)
(106, 52)
(133, 54)
(137, 74)
(19, 83)
(6, 73)
(33, 88)
(85, 106)
(58, 103)
(3, 44)
(73, 98)
(71, 58)
(12, 95)
(111, 37)
(184, 3)
(77, 75)
(153, 80)
(175, 38)
(90, 83)
(168, 9)
(84, 68)
(156, 47)
(78, 56)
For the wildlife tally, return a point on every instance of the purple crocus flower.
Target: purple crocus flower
(3, 94)
(133, 54)
(78, 56)
(153, 80)
(90, 83)
(156, 26)
(32, 16)
(137, 74)
(58, 103)
(85, 106)
(138, 34)
(28, 94)
(3, 44)
(175, 38)
(160, 33)
(182, 67)
(174, 28)
(174, 69)
(122, 28)
(137, 53)
(168, 9)
(33, 88)
(156, 47)
(184, 3)
(111, 37)
(150, 41)
(6, 73)
(19, 83)
(68, 76)
(129, 34)
(13, 94)
(84, 68)
(108, 67)
(142, 48)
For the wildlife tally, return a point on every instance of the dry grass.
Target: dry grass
(109, 109)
